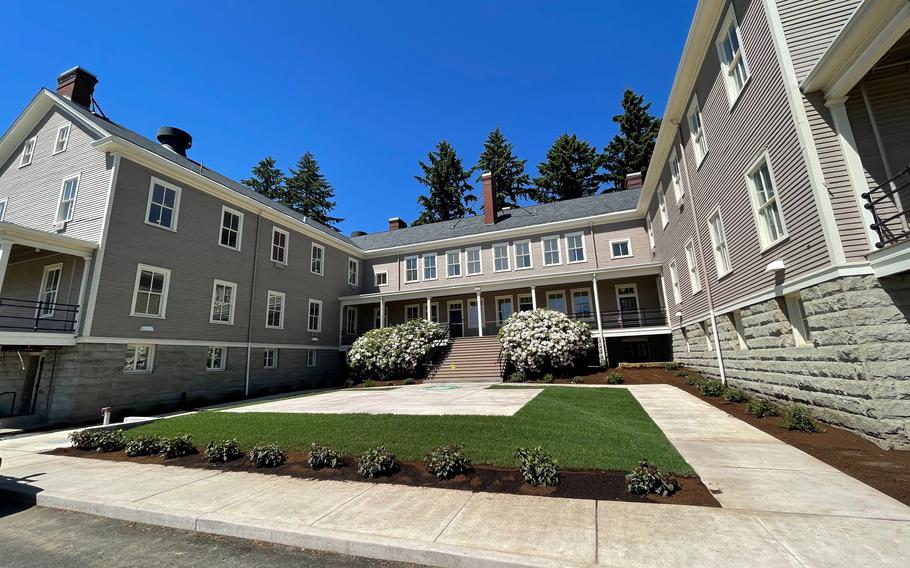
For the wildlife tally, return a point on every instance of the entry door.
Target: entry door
(627, 299)
(456, 319)
(503, 308)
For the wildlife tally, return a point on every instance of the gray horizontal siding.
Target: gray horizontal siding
(811, 26)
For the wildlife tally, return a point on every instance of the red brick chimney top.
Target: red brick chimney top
(395, 223)
(489, 198)
(634, 181)
(77, 85)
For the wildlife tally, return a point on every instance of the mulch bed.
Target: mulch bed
(605, 486)
(886, 470)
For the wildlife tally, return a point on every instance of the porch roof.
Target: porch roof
(26, 236)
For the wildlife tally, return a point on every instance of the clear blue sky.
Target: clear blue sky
(368, 87)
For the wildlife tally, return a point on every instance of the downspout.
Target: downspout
(249, 321)
(704, 266)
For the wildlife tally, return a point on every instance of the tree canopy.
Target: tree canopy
(630, 150)
(510, 182)
(450, 190)
(305, 190)
(267, 179)
(569, 171)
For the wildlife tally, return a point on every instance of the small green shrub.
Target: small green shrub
(222, 452)
(377, 461)
(762, 408)
(84, 439)
(390, 383)
(177, 447)
(143, 446)
(682, 374)
(800, 418)
(267, 455)
(516, 377)
(410, 381)
(348, 383)
(98, 440)
(671, 365)
(548, 378)
(537, 467)
(646, 479)
(615, 378)
(445, 462)
(735, 395)
(576, 380)
(368, 383)
(695, 380)
(324, 456)
(712, 388)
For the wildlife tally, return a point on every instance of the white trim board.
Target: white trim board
(195, 343)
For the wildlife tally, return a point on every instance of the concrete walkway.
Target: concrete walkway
(802, 513)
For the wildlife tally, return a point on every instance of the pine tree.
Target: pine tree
(510, 182)
(450, 194)
(630, 150)
(309, 193)
(267, 179)
(569, 171)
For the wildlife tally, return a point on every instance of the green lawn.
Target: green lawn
(582, 428)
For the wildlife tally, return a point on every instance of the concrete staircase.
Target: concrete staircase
(470, 360)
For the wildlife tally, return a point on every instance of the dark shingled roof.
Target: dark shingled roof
(511, 219)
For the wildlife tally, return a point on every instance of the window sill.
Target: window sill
(775, 244)
(222, 245)
(221, 322)
(622, 256)
(525, 268)
(701, 162)
(582, 261)
(147, 316)
(724, 275)
(316, 273)
(24, 165)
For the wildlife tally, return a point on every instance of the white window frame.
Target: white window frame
(56, 267)
(758, 209)
(353, 271)
(649, 227)
(350, 329)
(674, 282)
(676, 177)
(309, 357)
(164, 290)
(30, 143)
(530, 255)
(511, 299)
(590, 300)
(697, 132)
(210, 359)
(233, 305)
(692, 266)
(286, 249)
(416, 309)
(559, 294)
(628, 242)
(736, 317)
(584, 248)
(796, 315)
(449, 265)
(662, 205)
(384, 273)
(68, 127)
(3, 204)
(468, 261)
(58, 220)
(508, 258)
(728, 69)
(309, 311)
(148, 206)
(221, 227)
(320, 260)
(557, 250)
(274, 358)
(149, 358)
(529, 303)
(435, 266)
(268, 308)
(723, 264)
(416, 278)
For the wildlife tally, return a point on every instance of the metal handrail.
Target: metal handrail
(876, 198)
(44, 316)
(433, 366)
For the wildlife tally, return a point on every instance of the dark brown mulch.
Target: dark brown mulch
(886, 470)
(391, 383)
(604, 486)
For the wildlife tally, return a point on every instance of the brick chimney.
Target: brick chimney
(634, 181)
(489, 198)
(396, 223)
(77, 85)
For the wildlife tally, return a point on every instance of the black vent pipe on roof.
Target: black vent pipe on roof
(175, 140)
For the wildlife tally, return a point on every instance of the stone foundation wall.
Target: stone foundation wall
(856, 373)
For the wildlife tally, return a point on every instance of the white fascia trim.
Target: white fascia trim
(11, 338)
(195, 343)
(89, 310)
(632, 332)
(891, 260)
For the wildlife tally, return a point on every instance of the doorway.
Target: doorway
(456, 318)
(627, 301)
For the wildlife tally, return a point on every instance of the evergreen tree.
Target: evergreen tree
(510, 182)
(309, 193)
(630, 150)
(450, 194)
(267, 179)
(569, 171)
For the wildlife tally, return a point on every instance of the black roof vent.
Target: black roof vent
(358, 233)
(175, 140)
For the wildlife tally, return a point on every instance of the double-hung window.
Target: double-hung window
(719, 244)
(551, 254)
(649, 226)
(581, 303)
(317, 254)
(280, 245)
(662, 205)
(150, 291)
(674, 282)
(63, 137)
(734, 66)
(309, 357)
(381, 278)
(314, 316)
(231, 228)
(523, 255)
(474, 265)
(274, 315)
(163, 205)
(575, 247)
(453, 264)
(768, 216)
(697, 130)
(138, 358)
(621, 248)
(269, 358)
(676, 177)
(28, 151)
(429, 266)
(3, 208)
(501, 257)
(411, 271)
(224, 297)
(353, 272)
(67, 199)
(692, 264)
(50, 286)
(216, 359)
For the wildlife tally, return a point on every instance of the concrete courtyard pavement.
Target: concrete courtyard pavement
(809, 515)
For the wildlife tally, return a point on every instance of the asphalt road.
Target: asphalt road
(34, 537)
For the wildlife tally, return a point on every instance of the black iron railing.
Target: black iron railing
(622, 319)
(890, 215)
(37, 316)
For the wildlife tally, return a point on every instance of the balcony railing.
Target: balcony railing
(890, 215)
(37, 316)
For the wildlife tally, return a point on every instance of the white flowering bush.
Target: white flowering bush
(538, 340)
(392, 352)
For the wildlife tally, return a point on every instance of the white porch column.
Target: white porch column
(86, 265)
(533, 297)
(429, 308)
(479, 316)
(5, 248)
(341, 321)
(382, 322)
(600, 328)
